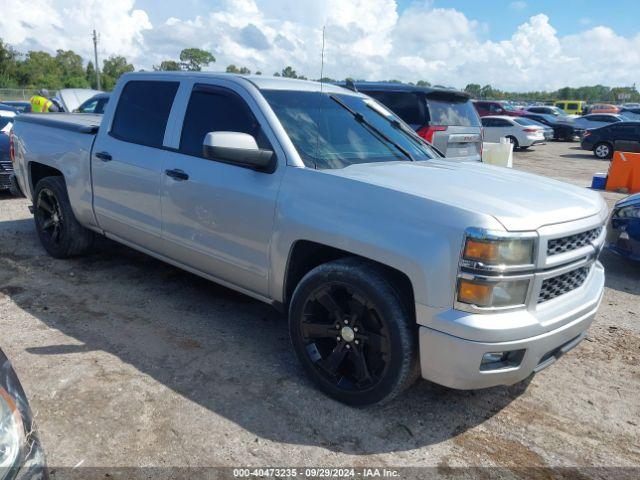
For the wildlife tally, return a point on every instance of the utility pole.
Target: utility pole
(95, 53)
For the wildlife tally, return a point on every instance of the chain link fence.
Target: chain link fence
(20, 93)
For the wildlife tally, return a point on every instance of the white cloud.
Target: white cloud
(364, 39)
(67, 24)
(518, 5)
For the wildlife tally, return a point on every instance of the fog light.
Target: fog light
(500, 360)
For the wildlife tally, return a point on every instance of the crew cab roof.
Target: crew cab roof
(262, 82)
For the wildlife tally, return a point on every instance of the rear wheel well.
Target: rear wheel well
(306, 255)
(39, 171)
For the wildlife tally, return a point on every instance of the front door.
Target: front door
(217, 217)
(127, 163)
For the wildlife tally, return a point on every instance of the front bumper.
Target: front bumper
(454, 359)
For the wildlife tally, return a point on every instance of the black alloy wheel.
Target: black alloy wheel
(354, 332)
(345, 337)
(49, 216)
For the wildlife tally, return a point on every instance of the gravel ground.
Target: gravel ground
(130, 362)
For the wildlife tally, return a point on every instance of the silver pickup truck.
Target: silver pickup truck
(391, 261)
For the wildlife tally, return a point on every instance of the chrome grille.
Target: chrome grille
(559, 285)
(6, 166)
(572, 242)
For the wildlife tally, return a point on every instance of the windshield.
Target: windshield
(526, 121)
(327, 135)
(450, 113)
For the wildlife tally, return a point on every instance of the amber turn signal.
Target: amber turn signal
(474, 293)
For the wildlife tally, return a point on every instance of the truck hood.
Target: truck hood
(518, 200)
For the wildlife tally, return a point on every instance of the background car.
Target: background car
(444, 117)
(623, 232)
(550, 110)
(601, 141)
(631, 113)
(485, 108)
(521, 136)
(69, 99)
(561, 130)
(19, 105)
(21, 454)
(528, 122)
(603, 108)
(595, 120)
(571, 107)
(95, 104)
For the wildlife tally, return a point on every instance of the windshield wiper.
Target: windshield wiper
(360, 119)
(401, 127)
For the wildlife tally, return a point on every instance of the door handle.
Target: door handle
(177, 174)
(104, 156)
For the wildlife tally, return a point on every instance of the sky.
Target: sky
(517, 45)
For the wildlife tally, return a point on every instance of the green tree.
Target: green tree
(258, 72)
(193, 59)
(90, 74)
(40, 70)
(241, 70)
(8, 65)
(473, 89)
(423, 83)
(73, 74)
(112, 68)
(168, 66)
(289, 72)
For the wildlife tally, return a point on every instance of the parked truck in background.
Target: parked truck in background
(391, 261)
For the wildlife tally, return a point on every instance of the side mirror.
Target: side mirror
(239, 149)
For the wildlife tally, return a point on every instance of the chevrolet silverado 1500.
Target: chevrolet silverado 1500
(391, 261)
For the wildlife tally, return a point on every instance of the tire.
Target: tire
(603, 150)
(352, 332)
(60, 233)
(514, 140)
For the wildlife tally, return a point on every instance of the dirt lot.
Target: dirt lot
(131, 362)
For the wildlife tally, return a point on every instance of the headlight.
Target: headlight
(484, 249)
(21, 455)
(495, 270)
(11, 433)
(631, 211)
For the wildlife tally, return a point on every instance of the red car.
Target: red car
(486, 108)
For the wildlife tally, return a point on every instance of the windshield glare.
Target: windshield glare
(327, 136)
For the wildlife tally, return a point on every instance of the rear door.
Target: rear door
(455, 124)
(127, 162)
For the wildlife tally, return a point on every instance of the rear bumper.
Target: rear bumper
(455, 361)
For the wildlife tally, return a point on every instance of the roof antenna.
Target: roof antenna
(350, 85)
(322, 59)
(319, 107)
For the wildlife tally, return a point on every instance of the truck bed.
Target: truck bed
(76, 122)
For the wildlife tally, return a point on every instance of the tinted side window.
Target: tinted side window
(89, 107)
(142, 112)
(626, 132)
(502, 123)
(405, 105)
(488, 122)
(212, 109)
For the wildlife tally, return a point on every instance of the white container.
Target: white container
(500, 154)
